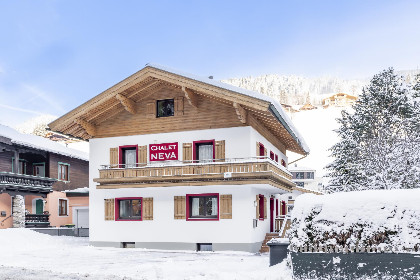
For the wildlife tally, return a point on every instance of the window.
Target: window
(283, 163)
(300, 175)
(277, 158)
(262, 150)
(300, 184)
(165, 108)
(271, 155)
(39, 169)
(22, 166)
(62, 207)
(202, 206)
(309, 175)
(128, 156)
(63, 171)
(204, 150)
(128, 209)
(261, 207)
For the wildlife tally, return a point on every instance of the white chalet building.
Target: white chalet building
(184, 162)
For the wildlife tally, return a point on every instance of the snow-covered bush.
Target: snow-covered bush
(364, 218)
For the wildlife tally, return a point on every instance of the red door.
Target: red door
(271, 214)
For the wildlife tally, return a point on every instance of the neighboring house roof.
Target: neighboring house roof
(40, 143)
(293, 168)
(76, 124)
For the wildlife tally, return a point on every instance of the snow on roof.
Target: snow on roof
(275, 107)
(300, 168)
(40, 143)
(78, 190)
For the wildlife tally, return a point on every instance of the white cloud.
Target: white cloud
(45, 97)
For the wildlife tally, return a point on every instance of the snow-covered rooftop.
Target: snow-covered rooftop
(276, 108)
(78, 190)
(40, 143)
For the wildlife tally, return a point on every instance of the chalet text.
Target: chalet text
(165, 151)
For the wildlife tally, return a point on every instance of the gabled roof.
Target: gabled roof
(40, 143)
(81, 121)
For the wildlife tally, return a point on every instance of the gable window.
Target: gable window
(277, 158)
(128, 209)
(262, 150)
(63, 171)
(283, 163)
(128, 156)
(271, 155)
(203, 206)
(39, 169)
(203, 150)
(62, 207)
(165, 108)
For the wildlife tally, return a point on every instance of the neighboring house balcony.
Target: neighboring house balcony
(13, 183)
(238, 171)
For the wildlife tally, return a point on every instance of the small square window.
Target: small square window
(203, 206)
(62, 207)
(129, 209)
(63, 171)
(165, 108)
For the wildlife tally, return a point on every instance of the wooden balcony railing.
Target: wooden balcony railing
(230, 171)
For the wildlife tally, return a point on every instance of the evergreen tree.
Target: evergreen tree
(379, 145)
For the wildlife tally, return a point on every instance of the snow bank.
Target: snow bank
(363, 218)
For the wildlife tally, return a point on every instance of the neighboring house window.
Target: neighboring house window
(300, 184)
(62, 207)
(63, 171)
(309, 175)
(165, 108)
(128, 156)
(300, 175)
(22, 166)
(128, 209)
(39, 169)
(204, 150)
(203, 206)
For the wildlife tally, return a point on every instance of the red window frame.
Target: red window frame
(202, 219)
(261, 150)
(277, 207)
(120, 152)
(202, 142)
(261, 205)
(272, 155)
(283, 208)
(277, 158)
(283, 163)
(117, 208)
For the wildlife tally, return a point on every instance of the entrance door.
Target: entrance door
(271, 214)
(39, 206)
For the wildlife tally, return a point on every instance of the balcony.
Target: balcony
(37, 220)
(14, 183)
(260, 170)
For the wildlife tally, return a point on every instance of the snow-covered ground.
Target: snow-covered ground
(30, 255)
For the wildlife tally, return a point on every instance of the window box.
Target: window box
(203, 207)
(165, 108)
(128, 209)
(203, 150)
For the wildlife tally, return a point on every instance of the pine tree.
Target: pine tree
(379, 145)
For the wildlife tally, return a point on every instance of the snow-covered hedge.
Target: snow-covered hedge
(364, 218)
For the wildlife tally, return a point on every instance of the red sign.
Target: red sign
(165, 151)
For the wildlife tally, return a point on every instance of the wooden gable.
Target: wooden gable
(128, 108)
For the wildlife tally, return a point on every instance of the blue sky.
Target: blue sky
(55, 55)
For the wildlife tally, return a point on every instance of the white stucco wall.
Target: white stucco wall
(240, 142)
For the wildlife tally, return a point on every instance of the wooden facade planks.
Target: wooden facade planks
(147, 208)
(109, 209)
(226, 206)
(179, 207)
